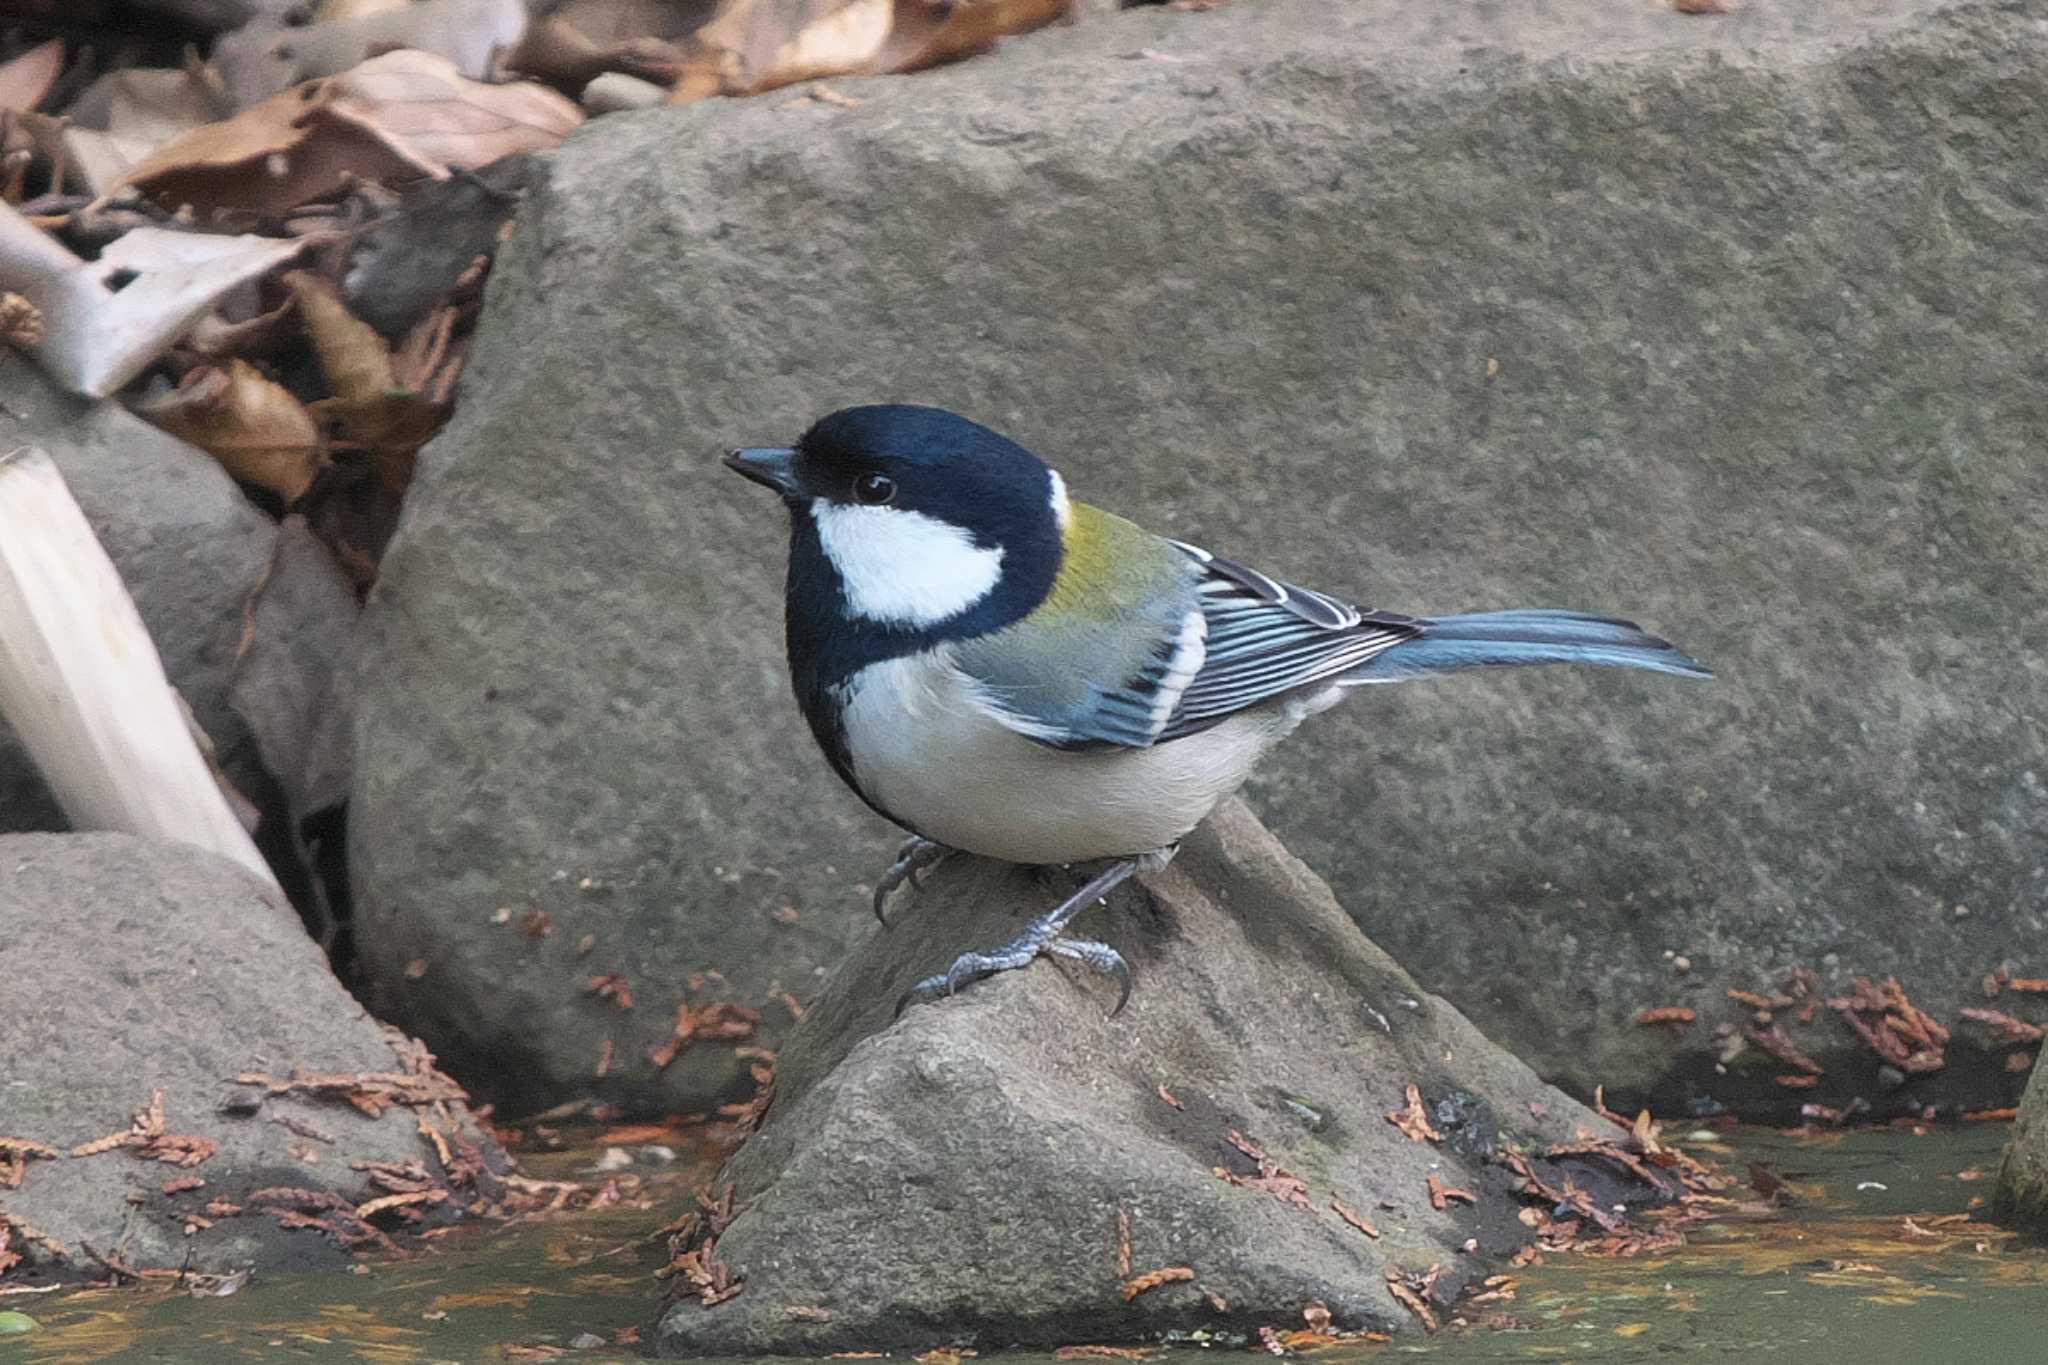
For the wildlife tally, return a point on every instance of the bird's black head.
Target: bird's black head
(909, 527)
(914, 459)
(912, 519)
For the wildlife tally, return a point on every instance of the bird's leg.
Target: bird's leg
(1043, 935)
(916, 854)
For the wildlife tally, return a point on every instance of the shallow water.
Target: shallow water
(1876, 1261)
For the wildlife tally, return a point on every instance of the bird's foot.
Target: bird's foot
(916, 855)
(1043, 936)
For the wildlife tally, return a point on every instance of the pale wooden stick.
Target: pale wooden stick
(81, 682)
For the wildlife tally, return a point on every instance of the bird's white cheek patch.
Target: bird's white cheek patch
(904, 568)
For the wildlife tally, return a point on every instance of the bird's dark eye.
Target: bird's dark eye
(872, 490)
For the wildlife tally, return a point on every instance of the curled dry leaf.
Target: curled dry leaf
(25, 80)
(1152, 1279)
(1411, 1300)
(752, 46)
(21, 322)
(1355, 1218)
(96, 338)
(1413, 1120)
(2003, 1026)
(252, 425)
(398, 117)
(373, 407)
(125, 115)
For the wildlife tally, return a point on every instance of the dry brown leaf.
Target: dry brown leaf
(930, 34)
(1441, 1195)
(25, 80)
(1411, 1300)
(752, 46)
(354, 360)
(575, 46)
(124, 116)
(1413, 1120)
(252, 425)
(264, 334)
(1355, 1218)
(332, 11)
(1152, 1279)
(21, 322)
(398, 117)
(611, 986)
(421, 102)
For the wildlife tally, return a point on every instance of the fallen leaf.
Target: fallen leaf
(124, 116)
(251, 424)
(332, 10)
(262, 58)
(1094, 1352)
(1398, 1286)
(612, 986)
(1441, 1195)
(25, 80)
(749, 47)
(2005, 1027)
(1152, 1279)
(398, 117)
(96, 338)
(1413, 1120)
(1354, 1217)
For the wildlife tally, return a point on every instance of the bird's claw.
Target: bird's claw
(915, 856)
(1044, 936)
(969, 968)
(1101, 959)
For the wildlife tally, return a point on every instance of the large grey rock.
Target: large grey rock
(2021, 1198)
(958, 1176)
(191, 550)
(1728, 324)
(135, 968)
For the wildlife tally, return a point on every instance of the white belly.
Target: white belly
(923, 749)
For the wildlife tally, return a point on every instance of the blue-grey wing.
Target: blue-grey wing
(1265, 639)
(1103, 668)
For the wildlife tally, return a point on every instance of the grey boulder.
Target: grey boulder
(140, 972)
(1726, 324)
(961, 1175)
(2021, 1198)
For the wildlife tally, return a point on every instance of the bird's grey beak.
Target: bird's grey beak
(771, 466)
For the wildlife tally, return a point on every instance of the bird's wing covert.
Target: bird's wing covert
(1266, 638)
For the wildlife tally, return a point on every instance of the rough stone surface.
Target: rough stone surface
(2021, 1200)
(133, 967)
(1730, 325)
(956, 1176)
(191, 549)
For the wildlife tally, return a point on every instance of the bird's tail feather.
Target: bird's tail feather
(1501, 639)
